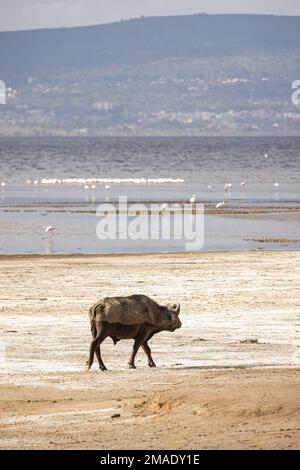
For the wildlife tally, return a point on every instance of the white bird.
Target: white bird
(243, 183)
(276, 184)
(266, 155)
(107, 186)
(3, 184)
(193, 199)
(49, 229)
(220, 204)
(35, 182)
(165, 207)
(209, 186)
(93, 186)
(86, 186)
(28, 181)
(227, 186)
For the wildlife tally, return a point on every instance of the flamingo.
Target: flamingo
(49, 229)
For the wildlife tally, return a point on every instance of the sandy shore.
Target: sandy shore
(228, 379)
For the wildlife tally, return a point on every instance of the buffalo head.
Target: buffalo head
(172, 316)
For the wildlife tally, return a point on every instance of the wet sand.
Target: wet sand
(228, 379)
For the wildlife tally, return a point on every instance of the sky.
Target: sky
(32, 14)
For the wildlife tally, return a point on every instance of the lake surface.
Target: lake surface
(61, 182)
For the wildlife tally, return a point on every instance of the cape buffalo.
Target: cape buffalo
(135, 317)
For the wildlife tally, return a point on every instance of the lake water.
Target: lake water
(61, 181)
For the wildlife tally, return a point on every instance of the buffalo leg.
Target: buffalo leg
(147, 350)
(95, 348)
(99, 358)
(139, 340)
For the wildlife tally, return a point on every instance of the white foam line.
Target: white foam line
(112, 180)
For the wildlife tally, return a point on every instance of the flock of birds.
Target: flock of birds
(50, 229)
(227, 188)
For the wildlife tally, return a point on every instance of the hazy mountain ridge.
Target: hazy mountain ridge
(134, 41)
(151, 74)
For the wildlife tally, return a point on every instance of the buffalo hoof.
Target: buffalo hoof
(87, 367)
(132, 366)
(102, 368)
(152, 364)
